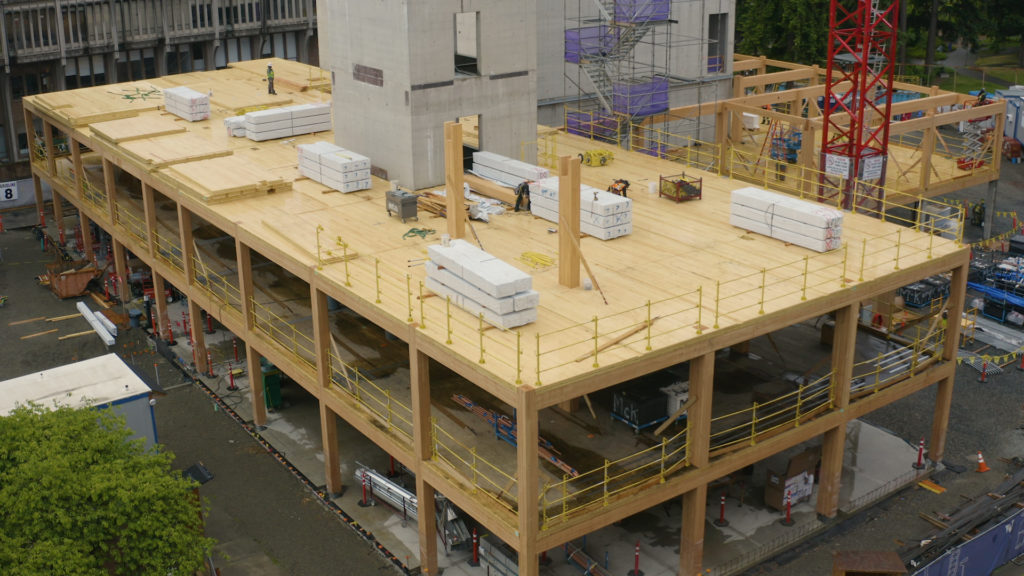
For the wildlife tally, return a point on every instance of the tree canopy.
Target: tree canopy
(82, 499)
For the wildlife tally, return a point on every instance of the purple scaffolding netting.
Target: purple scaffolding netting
(640, 98)
(592, 125)
(589, 41)
(642, 10)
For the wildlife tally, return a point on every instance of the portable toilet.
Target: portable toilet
(1014, 126)
(101, 382)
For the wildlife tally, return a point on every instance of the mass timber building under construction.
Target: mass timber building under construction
(270, 254)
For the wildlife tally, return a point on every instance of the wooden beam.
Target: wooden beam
(691, 538)
(490, 189)
(762, 80)
(569, 221)
(332, 458)
(455, 200)
(259, 406)
(528, 472)
(149, 211)
(419, 380)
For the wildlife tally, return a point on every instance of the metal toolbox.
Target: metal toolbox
(402, 204)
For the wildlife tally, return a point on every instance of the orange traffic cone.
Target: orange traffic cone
(982, 467)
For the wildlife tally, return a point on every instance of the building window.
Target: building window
(467, 44)
(718, 33)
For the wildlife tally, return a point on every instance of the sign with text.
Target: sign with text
(8, 191)
(837, 165)
(873, 167)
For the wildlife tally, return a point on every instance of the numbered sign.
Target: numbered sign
(8, 191)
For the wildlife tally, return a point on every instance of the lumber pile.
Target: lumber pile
(506, 170)
(334, 166)
(186, 103)
(786, 218)
(603, 215)
(479, 283)
(283, 122)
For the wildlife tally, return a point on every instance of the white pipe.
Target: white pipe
(96, 324)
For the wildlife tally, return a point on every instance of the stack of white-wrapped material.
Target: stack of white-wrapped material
(786, 218)
(334, 166)
(506, 170)
(235, 126)
(288, 121)
(479, 283)
(186, 103)
(602, 214)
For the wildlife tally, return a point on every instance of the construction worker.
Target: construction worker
(522, 197)
(978, 213)
(270, 80)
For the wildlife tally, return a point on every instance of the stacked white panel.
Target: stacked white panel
(506, 170)
(334, 166)
(186, 103)
(287, 121)
(479, 283)
(786, 218)
(603, 215)
(235, 126)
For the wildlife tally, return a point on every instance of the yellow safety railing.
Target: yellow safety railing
(392, 414)
(131, 222)
(560, 500)
(761, 420)
(968, 326)
(596, 125)
(217, 285)
(888, 368)
(39, 153)
(94, 195)
(679, 148)
(285, 334)
(545, 148)
(952, 148)
(482, 476)
(169, 251)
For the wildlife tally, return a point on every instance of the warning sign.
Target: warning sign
(836, 165)
(872, 169)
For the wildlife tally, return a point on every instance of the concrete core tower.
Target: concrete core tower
(400, 69)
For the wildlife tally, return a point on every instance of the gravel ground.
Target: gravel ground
(267, 523)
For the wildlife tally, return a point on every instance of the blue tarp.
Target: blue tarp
(642, 10)
(997, 294)
(984, 553)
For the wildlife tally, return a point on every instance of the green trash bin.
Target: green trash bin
(271, 377)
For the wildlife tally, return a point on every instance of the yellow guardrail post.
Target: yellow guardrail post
(604, 484)
(863, 255)
(448, 317)
(544, 506)
(753, 425)
(376, 264)
(917, 221)
(878, 372)
(700, 309)
(718, 286)
(565, 495)
(803, 290)
(538, 360)
(423, 318)
(899, 242)
(664, 443)
(472, 451)
(799, 401)
(931, 238)
(846, 252)
(519, 357)
(596, 365)
(764, 277)
(481, 330)
(387, 403)
(319, 258)
(433, 438)
(648, 325)
(883, 206)
(408, 297)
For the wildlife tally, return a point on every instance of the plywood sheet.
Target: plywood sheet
(101, 103)
(224, 179)
(127, 129)
(173, 149)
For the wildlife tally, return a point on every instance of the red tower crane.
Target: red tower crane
(858, 98)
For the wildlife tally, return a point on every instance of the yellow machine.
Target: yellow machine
(598, 157)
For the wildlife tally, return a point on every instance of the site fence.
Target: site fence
(284, 333)
(745, 560)
(882, 491)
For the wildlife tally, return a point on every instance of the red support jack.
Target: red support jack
(636, 562)
(919, 465)
(858, 103)
(170, 337)
(788, 520)
(721, 521)
(209, 364)
(209, 324)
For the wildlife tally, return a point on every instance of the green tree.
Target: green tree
(80, 498)
(1007, 25)
(792, 30)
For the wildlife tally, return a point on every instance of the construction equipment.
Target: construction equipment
(597, 157)
(620, 187)
(680, 187)
(401, 203)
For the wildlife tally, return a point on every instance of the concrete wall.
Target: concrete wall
(400, 124)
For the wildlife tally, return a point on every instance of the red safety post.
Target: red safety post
(1020, 367)
(106, 289)
(1, 222)
(474, 560)
(209, 323)
(984, 373)
(42, 218)
(721, 521)
(193, 357)
(152, 318)
(231, 378)
(636, 562)
(234, 344)
(170, 336)
(364, 502)
(63, 239)
(919, 465)
(209, 364)
(391, 467)
(788, 520)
